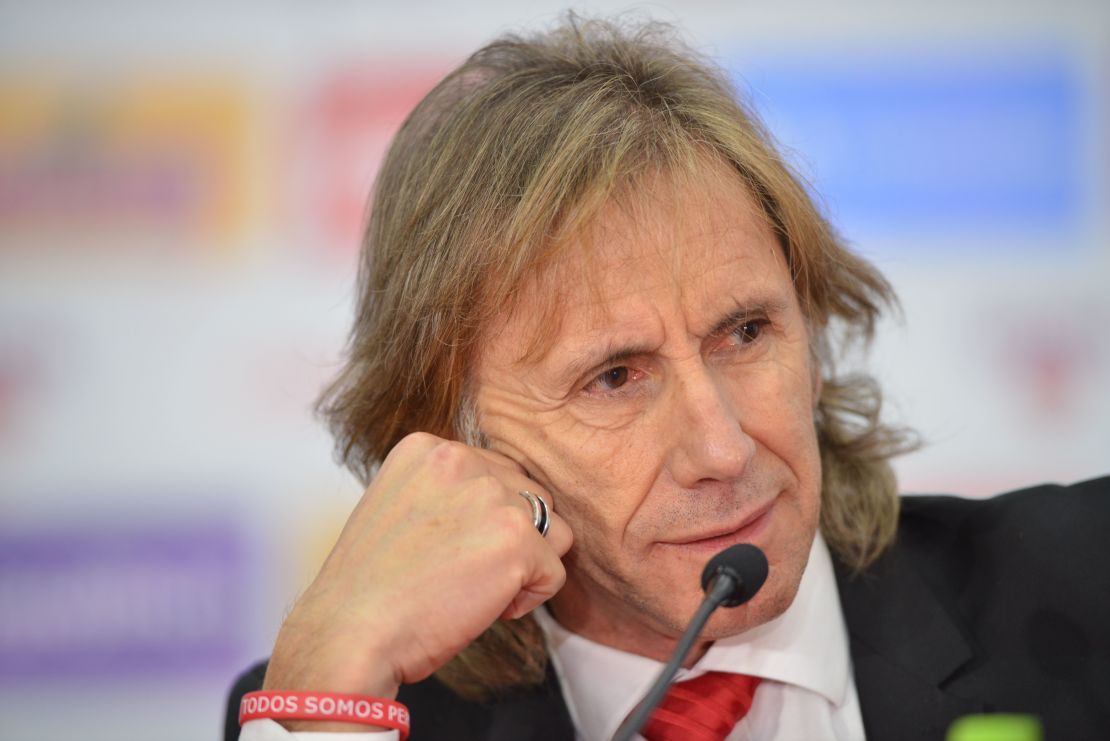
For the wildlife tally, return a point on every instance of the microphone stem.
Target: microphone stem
(720, 589)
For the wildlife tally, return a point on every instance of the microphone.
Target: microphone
(731, 578)
(742, 567)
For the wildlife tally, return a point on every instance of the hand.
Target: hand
(440, 545)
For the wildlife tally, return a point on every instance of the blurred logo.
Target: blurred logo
(155, 164)
(921, 145)
(349, 122)
(118, 602)
(23, 376)
(1053, 358)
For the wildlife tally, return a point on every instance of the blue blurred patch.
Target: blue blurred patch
(936, 145)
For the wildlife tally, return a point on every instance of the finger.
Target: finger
(418, 445)
(501, 460)
(511, 465)
(559, 536)
(525, 601)
(457, 461)
(547, 579)
(407, 456)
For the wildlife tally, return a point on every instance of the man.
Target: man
(589, 278)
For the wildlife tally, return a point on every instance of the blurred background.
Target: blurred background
(181, 191)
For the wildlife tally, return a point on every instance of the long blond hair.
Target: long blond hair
(523, 142)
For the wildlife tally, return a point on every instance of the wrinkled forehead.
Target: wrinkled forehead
(659, 210)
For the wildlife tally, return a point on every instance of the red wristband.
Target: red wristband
(333, 706)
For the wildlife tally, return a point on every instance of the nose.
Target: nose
(710, 443)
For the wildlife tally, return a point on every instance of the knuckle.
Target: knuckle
(416, 441)
(485, 490)
(450, 458)
(513, 524)
(489, 485)
(412, 447)
(444, 450)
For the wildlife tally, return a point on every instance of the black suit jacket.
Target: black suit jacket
(993, 605)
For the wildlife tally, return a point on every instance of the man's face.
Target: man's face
(672, 413)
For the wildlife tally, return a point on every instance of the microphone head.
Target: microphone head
(745, 564)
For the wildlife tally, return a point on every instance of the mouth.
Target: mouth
(747, 530)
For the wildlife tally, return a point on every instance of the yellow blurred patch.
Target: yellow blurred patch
(159, 163)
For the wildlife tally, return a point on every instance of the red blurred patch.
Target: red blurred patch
(1053, 357)
(349, 122)
(22, 381)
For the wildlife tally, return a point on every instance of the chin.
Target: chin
(772, 601)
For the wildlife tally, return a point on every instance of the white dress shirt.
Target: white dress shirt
(802, 655)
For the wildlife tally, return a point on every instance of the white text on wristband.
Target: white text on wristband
(329, 706)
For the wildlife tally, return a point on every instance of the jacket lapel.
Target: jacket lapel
(905, 645)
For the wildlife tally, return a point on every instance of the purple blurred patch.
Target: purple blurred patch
(122, 601)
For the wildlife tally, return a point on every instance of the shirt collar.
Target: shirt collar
(806, 646)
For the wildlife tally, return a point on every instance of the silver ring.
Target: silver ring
(540, 517)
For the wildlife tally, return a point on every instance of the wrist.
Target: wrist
(305, 659)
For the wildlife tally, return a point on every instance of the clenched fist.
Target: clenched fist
(440, 546)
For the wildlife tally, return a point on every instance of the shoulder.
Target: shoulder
(1042, 546)
(1050, 516)
(1000, 604)
(1090, 495)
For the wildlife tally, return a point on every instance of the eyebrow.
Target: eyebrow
(615, 354)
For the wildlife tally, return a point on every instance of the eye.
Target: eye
(749, 331)
(614, 377)
(619, 381)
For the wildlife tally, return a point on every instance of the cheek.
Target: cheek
(598, 477)
(601, 477)
(777, 411)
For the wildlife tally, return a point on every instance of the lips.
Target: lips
(746, 530)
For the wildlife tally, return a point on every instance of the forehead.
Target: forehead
(677, 228)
